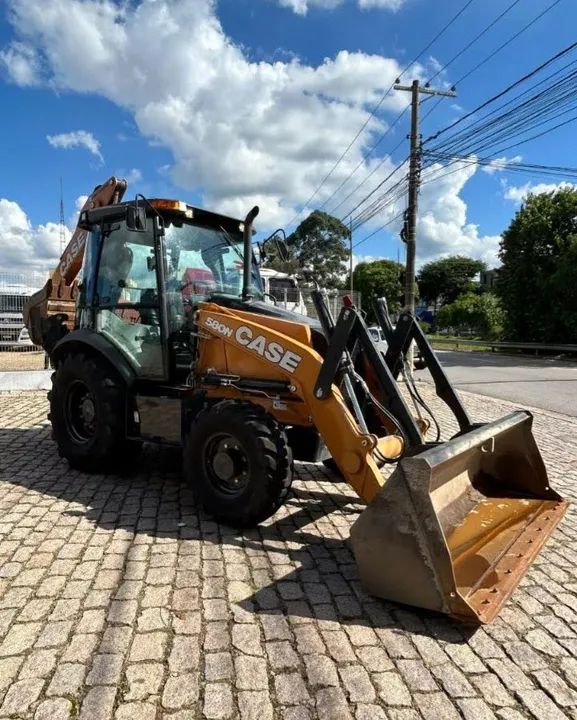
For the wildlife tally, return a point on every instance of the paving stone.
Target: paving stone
(475, 709)
(321, 671)
(185, 654)
(133, 710)
(218, 702)
(20, 696)
(370, 712)
(67, 679)
(180, 691)
(246, 639)
(281, 655)
(20, 638)
(290, 689)
(542, 707)
(436, 706)
(259, 612)
(148, 646)
(492, 689)
(98, 704)
(143, 680)
(295, 713)
(331, 704)
(55, 709)
(392, 689)
(512, 677)
(416, 675)
(339, 646)
(357, 683)
(251, 673)
(396, 644)
(55, 634)
(453, 680)
(255, 705)
(557, 688)
(105, 670)
(80, 648)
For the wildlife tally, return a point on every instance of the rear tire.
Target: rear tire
(88, 415)
(238, 460)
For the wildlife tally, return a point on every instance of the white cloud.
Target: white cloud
(132, 176)
(301, 7)
(21, 63)
(500, 164)
(77, 138)
(518, 194)
(443, 228)
(240, 132)
(24, 246)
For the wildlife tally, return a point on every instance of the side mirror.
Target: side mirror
(136, 218)
(279, 244)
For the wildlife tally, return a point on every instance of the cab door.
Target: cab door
(127, 307)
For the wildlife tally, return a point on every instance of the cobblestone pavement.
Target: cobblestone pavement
(118, 599)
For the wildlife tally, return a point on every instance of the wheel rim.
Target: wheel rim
(80, 412)
(226, 463)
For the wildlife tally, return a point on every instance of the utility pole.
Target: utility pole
(351, 255)
(62, 232)
(409, 234)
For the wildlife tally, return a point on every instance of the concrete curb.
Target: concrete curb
(25, 380)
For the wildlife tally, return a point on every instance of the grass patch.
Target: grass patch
(453, 342)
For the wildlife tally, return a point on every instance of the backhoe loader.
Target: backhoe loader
(166, 339)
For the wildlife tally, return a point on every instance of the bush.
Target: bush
(481, 314)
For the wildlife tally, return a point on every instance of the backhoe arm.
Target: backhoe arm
(50, 312)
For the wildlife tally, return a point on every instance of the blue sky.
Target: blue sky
(239, 101)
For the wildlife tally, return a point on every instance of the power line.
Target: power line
(474, 40)
(368, 237)
(363, 159)
(508, 89)
(368, 177)
(364, 200)
(496, 51)
(377, 106)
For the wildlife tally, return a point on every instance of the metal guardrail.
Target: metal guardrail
(537, 347)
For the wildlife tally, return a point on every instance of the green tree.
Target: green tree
(442, 281)
(380, 278)
(318, 245)
(538, 277)
(482, 314)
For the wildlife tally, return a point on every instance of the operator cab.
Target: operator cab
(146, 268)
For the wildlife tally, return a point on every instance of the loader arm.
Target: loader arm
(50, 312)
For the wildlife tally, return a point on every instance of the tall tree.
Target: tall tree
(443, 281)
(380, 278)
(319, 245)
(538, 277)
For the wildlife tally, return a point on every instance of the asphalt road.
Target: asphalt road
(546, 384)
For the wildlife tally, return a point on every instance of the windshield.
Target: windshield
(202, 260)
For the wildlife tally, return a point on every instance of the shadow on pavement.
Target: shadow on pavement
(312, 568)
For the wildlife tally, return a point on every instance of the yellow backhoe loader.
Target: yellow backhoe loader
(167, 339)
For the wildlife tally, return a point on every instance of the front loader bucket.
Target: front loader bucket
(455, 528)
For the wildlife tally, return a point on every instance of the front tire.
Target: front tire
(88, 414)
(238, 460)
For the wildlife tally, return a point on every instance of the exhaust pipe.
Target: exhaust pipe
(247, 254)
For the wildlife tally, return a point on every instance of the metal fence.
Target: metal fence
(17, 352)
(300, 301)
